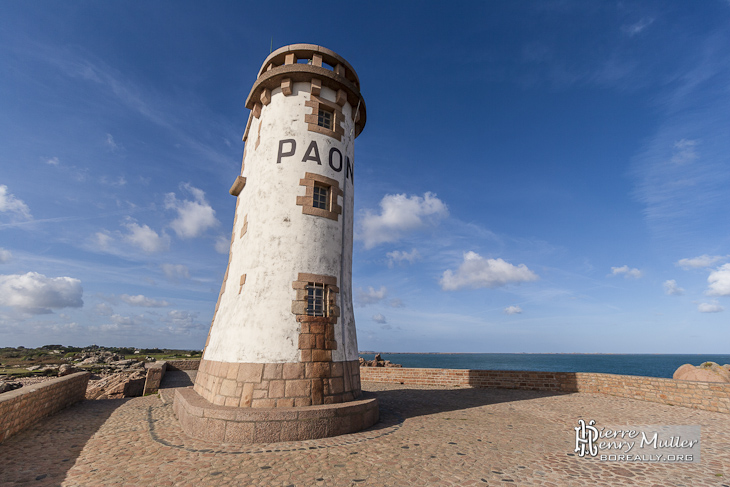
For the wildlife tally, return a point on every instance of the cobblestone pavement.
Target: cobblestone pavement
(427, 436)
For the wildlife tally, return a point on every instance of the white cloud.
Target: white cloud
(143, 301)
(684, 152)
(53, 161)
(5, 255)
(119, 181)
(398, 256)
(637, 27)
(477, 272)
(222, 244)
(378, 318)
(371, 296)
(103, 309)
(193, 216)
(175, 271)
(709, 308)
(513, 310)
(626, 272)
(183, 322)
(719, 281)
(396, 303)
(102, 240)
(400, 214)
(145, 238)
(37, 294)
(110, 142)
(12, 205)
(671, 288)
(701, 261)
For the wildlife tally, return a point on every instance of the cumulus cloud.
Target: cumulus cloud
(103, 309)
(378, 318)
(513, 310)
(37, 294)
(626, 272)
(5, 255)
(145, 238)
(143, 301)
(399, 214)
(222, 244)
(175, 271)
(13, 206)
(102, 240)
(371, 296)
(709, 308)
(193, 216)
(183, 322)
(477, 272)
(719, 281)
(701, 261)
(119, 181)
(396, 303)
(672, 289)
(398, 256)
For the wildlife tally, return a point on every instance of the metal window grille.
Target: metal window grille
(320, 197)
(324, 119)
(316, 300)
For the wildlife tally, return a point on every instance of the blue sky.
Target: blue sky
(543, 176)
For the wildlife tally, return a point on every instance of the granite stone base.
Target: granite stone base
(227, 424)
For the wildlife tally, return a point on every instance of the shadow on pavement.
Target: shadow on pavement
(410, 403)
(43, 454)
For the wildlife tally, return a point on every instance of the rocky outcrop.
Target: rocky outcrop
(707, 372)
(99, 358)
(117, 386)
(67, 369)
(7, 386)
(377, 362)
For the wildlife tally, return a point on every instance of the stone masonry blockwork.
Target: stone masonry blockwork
(23, 407)
(277, 385)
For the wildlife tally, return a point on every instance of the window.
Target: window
(316, 299)
(320, 197)
(324, 119)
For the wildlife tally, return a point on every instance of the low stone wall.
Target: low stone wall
(183, 364)
(709, 396)
(226, 424)
(22, 407)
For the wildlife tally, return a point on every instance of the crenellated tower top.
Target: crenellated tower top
(308, 63)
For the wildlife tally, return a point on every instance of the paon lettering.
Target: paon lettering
(288, 148)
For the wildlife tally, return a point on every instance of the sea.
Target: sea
(649, 365)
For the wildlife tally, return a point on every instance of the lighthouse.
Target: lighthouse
(283, 336)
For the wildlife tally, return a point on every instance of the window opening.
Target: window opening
(324, 119)
(316, 299)
(320, 197)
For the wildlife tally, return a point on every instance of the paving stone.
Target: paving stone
(426, 436)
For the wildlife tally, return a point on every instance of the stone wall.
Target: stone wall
(155, 373)
(22, 407)
(183, 364)
(709, 396)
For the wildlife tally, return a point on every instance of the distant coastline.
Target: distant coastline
(370, 352)
(647, 365)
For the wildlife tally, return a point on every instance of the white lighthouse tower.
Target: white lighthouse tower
(283, 334)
